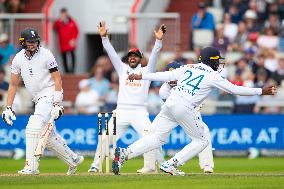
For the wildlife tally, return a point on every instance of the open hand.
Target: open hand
(102, 29)
(132, 77)
(271, 90)
(160, 33)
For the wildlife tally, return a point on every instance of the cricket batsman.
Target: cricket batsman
(132, 96)
(39, 70)
(194, 83)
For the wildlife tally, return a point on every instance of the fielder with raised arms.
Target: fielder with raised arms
(206, 161)
(132, 96)
(194, 83)
(38, 68)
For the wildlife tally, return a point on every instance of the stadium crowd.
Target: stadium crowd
(250, 34)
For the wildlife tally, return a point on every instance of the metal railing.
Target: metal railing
(12, 24)
(145, 23)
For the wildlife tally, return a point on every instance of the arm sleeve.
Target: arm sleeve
(164, 76)
(228, 87)
(112, 55)
(154, 55)
(51, 62)
(15, 69)
(165, 91)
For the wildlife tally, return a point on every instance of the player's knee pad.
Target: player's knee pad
(35, 124)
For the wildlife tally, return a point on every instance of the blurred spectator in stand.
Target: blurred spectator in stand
(111, 97)
(281, 38)
(258, 68)
(98, 82)
(4, 85)
(273, 22)
(243, 67)
(269, 39)
(68, 33)
(259, 7)
(240, 39)
(154, 100)
(203, 19)
(15, 6)
(261, 78)
(270, 62)
(246, 104)
(105, 63)
(7, 50)
(250, 19)
(178, 57)
(236, 9)
(3, 8)
(230, 29)
(220, 42)
(278, 75)
(251, 48)
(237, 80)
(87, 101)
(23, 101)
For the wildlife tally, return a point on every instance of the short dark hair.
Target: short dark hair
(64, 9)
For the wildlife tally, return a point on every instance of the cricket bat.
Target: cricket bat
(44, 138)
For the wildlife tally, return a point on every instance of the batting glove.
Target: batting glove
(8, 115)
(57, 111)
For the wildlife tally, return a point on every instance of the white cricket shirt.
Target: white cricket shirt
(35, 72)
(195, 82)
(132, 95)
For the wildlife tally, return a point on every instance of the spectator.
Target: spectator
(278, 75)
(237, 80)
(273, 22)
(87, 101)
(270, 62)
(98, 82)
(236, 10)
(259, 69)
(15, 6)
(250, 19)
(269, 39)
(230, 29)
(7, 50)
(154, 100)
(220, 41)
(240, 39)
(203, 19)
(111, 97)
(68, 33)
(4, 85)
(246, 104)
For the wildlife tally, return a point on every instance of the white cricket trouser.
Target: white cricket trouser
(206, 156)
(139, 120)
(173, 114)
(56, 143)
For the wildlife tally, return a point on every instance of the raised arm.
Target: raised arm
(228, 87)
(115, 59)
(156, 49)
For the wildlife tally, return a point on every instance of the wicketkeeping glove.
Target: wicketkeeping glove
(8, 115)
(57, 111)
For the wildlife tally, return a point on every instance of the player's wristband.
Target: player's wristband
(58, 96)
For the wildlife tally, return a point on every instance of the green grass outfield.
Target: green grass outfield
(229, 173)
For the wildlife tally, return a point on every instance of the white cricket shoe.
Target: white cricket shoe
(77, 161)
(146, 170)
(27, 171)
(208, 169)
(93, 170)
(167, 168)
(119, 159)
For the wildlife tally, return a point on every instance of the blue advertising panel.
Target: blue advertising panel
(228, 132)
